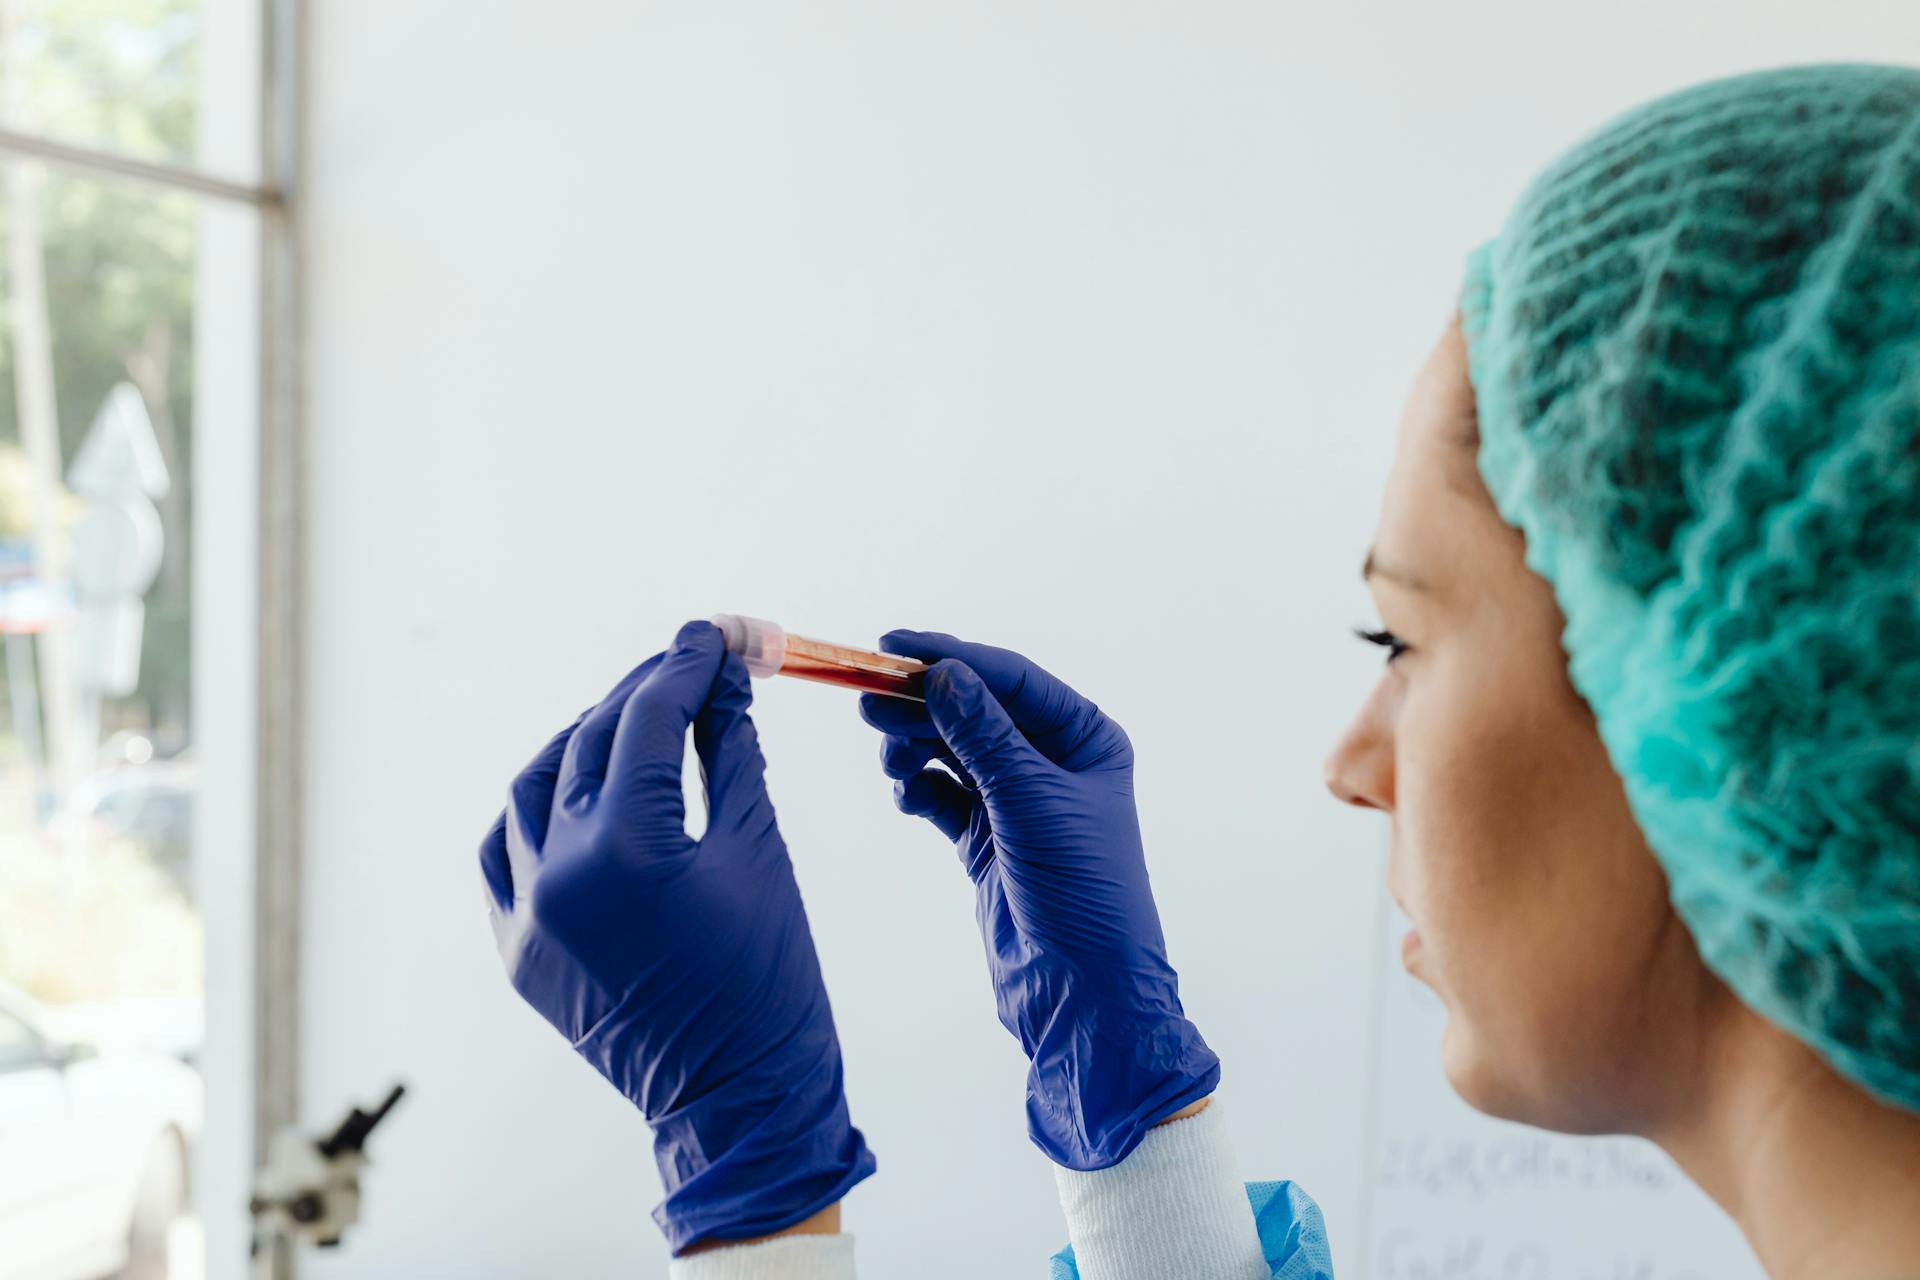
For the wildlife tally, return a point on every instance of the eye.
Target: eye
(1385, 639)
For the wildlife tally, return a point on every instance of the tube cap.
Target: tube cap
(762, 644)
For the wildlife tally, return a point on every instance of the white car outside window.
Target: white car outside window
(93, 1154)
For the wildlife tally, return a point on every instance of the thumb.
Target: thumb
(976, 727)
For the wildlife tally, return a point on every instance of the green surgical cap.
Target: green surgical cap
(1696, 350)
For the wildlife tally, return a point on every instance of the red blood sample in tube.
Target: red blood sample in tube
(768, 650)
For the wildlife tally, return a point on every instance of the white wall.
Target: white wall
(1077, 327)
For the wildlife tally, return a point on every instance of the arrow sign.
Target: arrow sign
(117, 545)
(120, 456)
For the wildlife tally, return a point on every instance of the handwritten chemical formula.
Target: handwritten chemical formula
(1478, 1166)
(1407, 1254)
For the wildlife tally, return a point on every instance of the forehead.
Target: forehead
(1435, 498)
(1440, 410)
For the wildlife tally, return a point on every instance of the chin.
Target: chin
(1483, 1081)
(1545, 1090)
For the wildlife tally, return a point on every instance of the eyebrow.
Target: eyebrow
(1372, 568)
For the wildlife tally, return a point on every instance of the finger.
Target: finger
(650, 744)
(901, 719)
(493, 865)
(897, 716)
(914, 724)
(530, 798)
(577, 753)
(504, 874)
(1054, 717)
(510, 852)
(934, 795)
(904, 757)
(976, 727)
(728, 745)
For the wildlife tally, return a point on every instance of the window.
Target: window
(144, 691)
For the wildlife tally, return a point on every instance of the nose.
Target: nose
(1346, 793)
(1359, 769)
(1347, 790)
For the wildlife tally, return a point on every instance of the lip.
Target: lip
(1409, 947)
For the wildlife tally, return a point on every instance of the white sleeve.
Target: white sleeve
(1174, 1209)
(785, 1258)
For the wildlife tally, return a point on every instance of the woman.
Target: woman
(1649, 735)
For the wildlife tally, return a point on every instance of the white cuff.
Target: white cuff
(785, 1258)
(1174, 1209)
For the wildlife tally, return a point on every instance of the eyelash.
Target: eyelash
(1385, 639)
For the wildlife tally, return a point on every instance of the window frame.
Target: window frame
(275, 791)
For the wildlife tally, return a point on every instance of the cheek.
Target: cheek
(1479, 818)
(1525, 874)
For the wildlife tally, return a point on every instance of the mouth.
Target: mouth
(1410, 940)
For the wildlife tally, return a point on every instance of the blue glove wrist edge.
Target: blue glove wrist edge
(1089, 1152)
(745, 1217)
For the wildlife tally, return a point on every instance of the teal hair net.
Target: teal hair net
(1696, 349)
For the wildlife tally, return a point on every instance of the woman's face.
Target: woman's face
(1541, 919)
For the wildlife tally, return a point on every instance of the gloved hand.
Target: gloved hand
(1042, 813)
(683, 970)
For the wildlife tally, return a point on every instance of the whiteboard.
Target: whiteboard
(1454, 1195)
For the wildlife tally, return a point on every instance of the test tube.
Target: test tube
(770, 651)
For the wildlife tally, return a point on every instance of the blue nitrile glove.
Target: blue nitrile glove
(1042, 814)
(683, 970)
